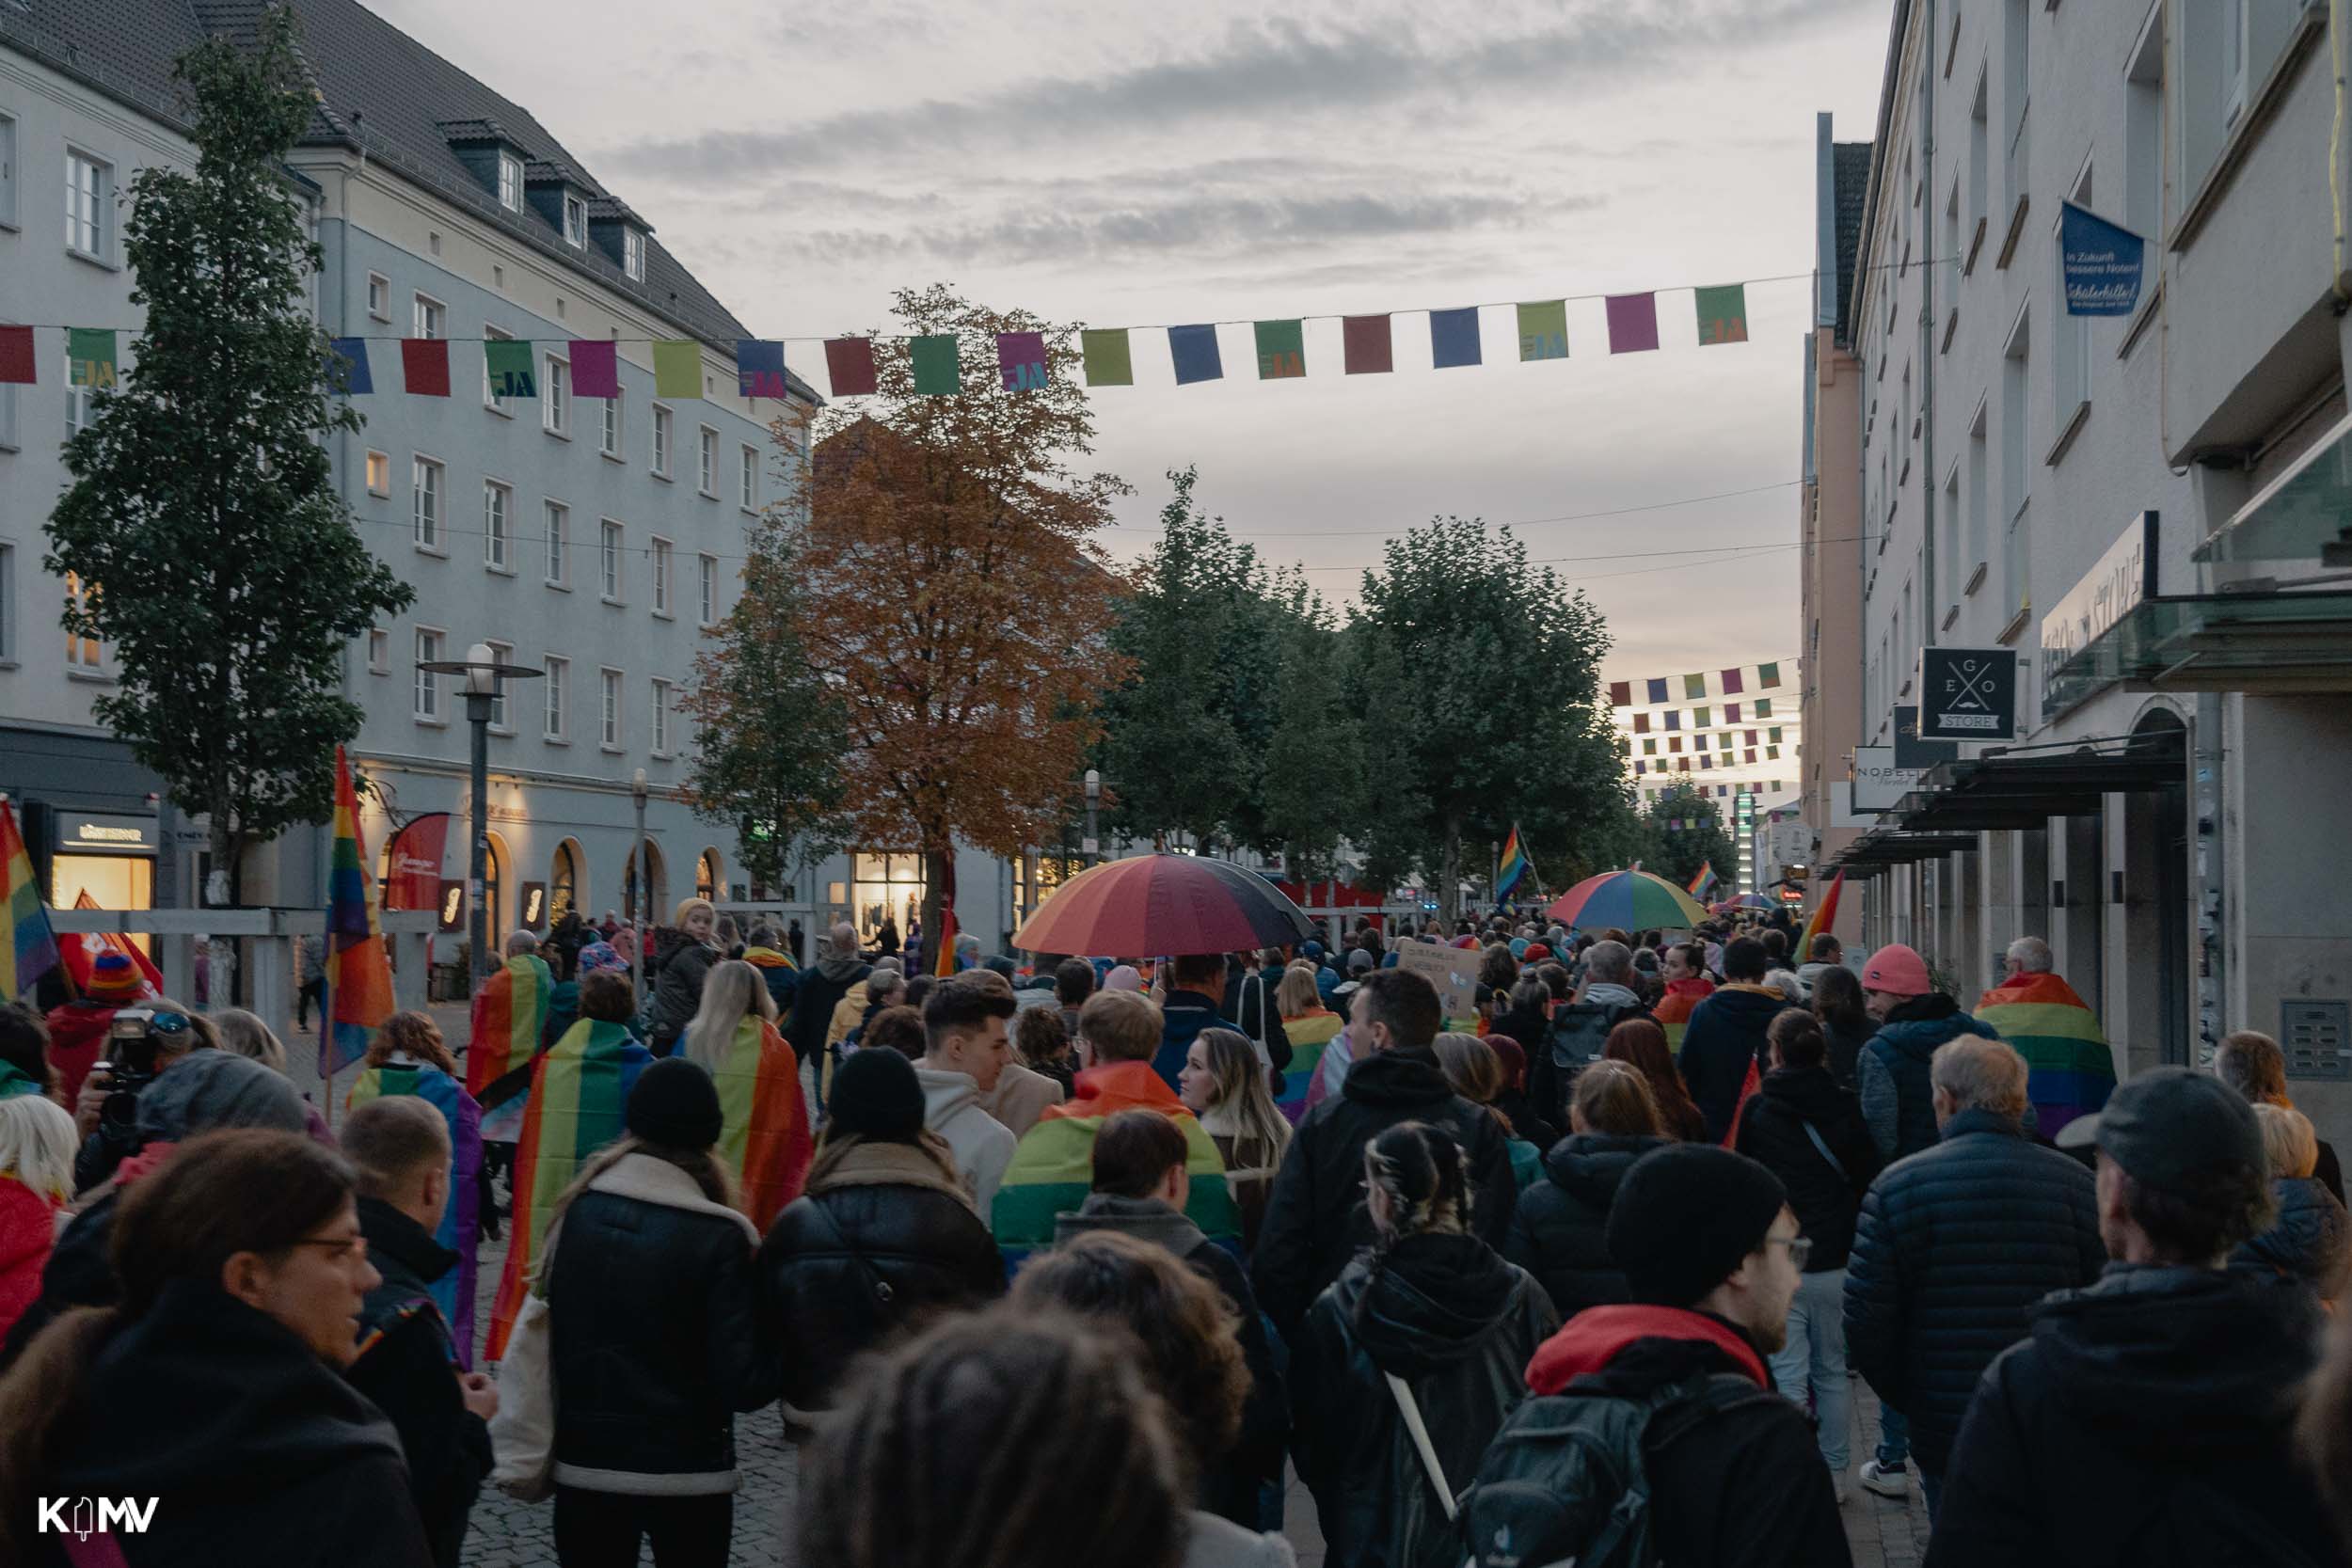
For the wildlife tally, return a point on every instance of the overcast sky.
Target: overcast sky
(1120, 163)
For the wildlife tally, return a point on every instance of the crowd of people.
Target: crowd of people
(1063, 1258)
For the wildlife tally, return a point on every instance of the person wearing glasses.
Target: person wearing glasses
(212, 1394)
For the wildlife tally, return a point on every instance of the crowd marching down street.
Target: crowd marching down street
(1066, 1257)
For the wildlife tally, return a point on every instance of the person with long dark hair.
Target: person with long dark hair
(1641, 1045)
(1846, 1024)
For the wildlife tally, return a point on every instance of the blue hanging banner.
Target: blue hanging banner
(2102, 263)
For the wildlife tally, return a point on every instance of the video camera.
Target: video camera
(132, 1040)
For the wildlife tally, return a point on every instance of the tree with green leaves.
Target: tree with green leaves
(1314, 786)
(220, 563)
(1676, 853)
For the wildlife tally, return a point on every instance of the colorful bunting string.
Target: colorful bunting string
(1658, 689)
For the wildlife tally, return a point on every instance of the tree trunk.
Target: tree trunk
(1449, 875)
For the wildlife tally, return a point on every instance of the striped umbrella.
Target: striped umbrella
(1628, 901)
(1163, 904)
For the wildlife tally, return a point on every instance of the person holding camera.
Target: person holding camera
(140, 1043)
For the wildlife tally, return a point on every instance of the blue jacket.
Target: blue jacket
(1954, 1246)
(1183, 1015)
(1724, 1036)
(1898, 1101)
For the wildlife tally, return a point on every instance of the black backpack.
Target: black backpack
(1578, 1030)
(1566, 1479)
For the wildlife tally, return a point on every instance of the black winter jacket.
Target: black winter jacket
(1559, 1232)
(1249, 1005)
(821, 989)
(254, 1448)
(1315, 1220)
(407, 1366)
(2146, 1424)
(1458, 1324)
(1724, 1038)
(657, 1335)
(886, 1218)
(1897, 1101)
(1826, 1196)
(1955, 1246)
(678, 972)
(2311, 1241)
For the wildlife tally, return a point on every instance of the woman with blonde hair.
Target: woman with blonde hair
(681, 956)
(1224, 1086)
(733, 1037)
(37, 1144)
(2311, 1238)
(246, 1034)
(1311, 1027)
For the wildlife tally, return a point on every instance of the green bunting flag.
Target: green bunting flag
(1109, 361)
(91, 351)
(677, 369)
(938, 369)
(1281, 350)
(1701, 718)
(1768, 675)
(1763, 708)
(1544, 331)
(508, 360)
(1722, 314)
(1694, 686)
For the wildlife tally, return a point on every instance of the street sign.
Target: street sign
(1967, 693)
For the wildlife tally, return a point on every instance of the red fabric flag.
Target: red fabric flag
(1620, 693)
(424, 366)
(1366, 345)
(16, 356)
(850, 364)
(80, 951)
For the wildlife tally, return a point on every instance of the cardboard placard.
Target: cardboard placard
(1452, 970)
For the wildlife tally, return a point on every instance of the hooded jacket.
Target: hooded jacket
(1824, 1191)
(254, 1449)
(1182, 1017)
(1897, 1101)
(1559, 1232)
(679, 967)
(1315, 1220)
(2311, 1241)
(813, 1002)
(982, 1145)
(1725, 1039)
(2147, 1423)
(1954, 1246)
(1457, 1324)
(781, 976)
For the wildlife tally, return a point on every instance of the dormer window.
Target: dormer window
(633, 253)
(509, 182)
(575, 222)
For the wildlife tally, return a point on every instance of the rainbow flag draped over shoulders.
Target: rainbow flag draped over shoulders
(578, 1090)
(1309, 1033)
(359, 967)
(461, 1220)
(1052, 1167)
(509, 1012)
(2070, 1070)
(1704, 883)
(31, 949)
(1515, 866)
(765, 1140)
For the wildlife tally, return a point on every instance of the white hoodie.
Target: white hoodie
(982, 1145)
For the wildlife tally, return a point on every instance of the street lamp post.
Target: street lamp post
(1093, 847)
(644, 882)
(484, 675)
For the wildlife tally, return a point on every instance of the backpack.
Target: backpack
(1578, 1030)
(1566, 1479)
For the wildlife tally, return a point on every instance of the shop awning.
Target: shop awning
(2024, 787)
(1883, 847)
(2273, 641)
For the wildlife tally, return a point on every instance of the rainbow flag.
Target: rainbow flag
(31, 950)
(1052, 1168)
(461, 1222)
(509, 1012)
(1704, 883)
(766, 1139)
(358, 968)
(2069, 1070)
(1515, 866)
(1309, 1033)
(943, 956)
(1824, 918)
(578, 1089)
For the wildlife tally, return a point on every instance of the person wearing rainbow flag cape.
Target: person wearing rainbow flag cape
(2070, 1070)
(1312, 1028)
(764, 1137)
(509, 1011)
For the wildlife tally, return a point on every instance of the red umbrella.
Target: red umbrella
(1163, 904)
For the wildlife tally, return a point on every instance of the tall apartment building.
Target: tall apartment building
(2150, 509)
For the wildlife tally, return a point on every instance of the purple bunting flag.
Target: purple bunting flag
(1020, 360)
(596, 368)
(1632, 322)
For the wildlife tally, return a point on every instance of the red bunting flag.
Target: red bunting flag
(16, 356)
(424, 366)
(1620, 693)
(1367, 350)
(850, 364)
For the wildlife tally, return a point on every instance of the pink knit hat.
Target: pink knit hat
(1898, 970)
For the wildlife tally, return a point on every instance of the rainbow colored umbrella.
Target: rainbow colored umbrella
(1149, 904)
(1628, 901)
(1745, 901)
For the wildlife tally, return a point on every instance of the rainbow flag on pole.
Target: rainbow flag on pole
(461, 1220)
(765, 1139)
(1704, 883)
(359, 967)
(943, 958)
(31, 950)
(1824, 918)
(1514, 866)
(579, 1092)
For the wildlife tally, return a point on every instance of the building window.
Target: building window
(498, 505)
(706, 462)
(2016, 17)
(749, 476)
(609, 561)
(85, 653)
(89, 205)
(432, 319)
(555, 397)
(608, 436)
(661, 576)
(379, 651)
(2233, 51)
(559, 540)
(509, 182)
(426, 480)
(608, 709)
(1980, 470)
(2143, 133)
(379, 296)
(661, 441)
(884, 884)
(575, 221)
(79, 402)
(428, 698)
(660, 717)
(379, 473)
(496, 405)
(707, 586)
(2014, 491)
(500, 719)
(8, 170)
(633, 253)
(558, 682)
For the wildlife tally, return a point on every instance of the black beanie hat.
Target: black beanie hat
(876, 1095)
(676, 1104)
(1684, 1218)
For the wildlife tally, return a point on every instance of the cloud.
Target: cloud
(1261, 73)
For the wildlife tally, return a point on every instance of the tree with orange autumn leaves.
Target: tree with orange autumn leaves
(946, 590)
